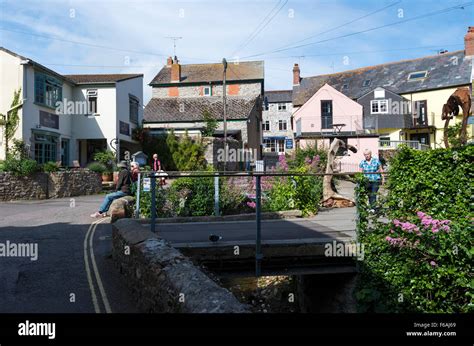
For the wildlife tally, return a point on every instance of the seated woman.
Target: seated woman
(122, 189)
(135, 169)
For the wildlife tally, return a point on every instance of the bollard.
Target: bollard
(153, 202)
(137, 205)
(216, 196)
(258, 254)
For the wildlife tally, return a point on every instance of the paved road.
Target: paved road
(58, 280)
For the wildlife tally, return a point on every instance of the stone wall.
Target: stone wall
(49, 185)
(161, 278)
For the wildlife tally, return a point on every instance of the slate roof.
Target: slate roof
(275, 96)
(200, 73)
(192, 108)
(100, 78)
(444, 70)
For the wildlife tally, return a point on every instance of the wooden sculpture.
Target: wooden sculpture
(460, 98)
(331, 198)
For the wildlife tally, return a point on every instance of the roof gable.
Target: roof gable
(326, 88)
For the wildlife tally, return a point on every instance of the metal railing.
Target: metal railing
(152, 176)
(389, 144)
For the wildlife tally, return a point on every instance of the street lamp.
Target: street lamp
(224, 101)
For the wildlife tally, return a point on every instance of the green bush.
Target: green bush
(421, 261)
(19, 167)
(50, 166)
(97, 167)
(438, 182)
(17, 161)
(417, 265)
(107, 159)
(2, 166)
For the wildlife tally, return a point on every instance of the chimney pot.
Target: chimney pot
(296, 75)
(169, 61)
(469, 42)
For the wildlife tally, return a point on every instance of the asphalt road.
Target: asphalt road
(60, 280)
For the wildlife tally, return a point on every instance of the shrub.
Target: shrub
(437, 182)
(17, 161)
(107, 159)
(422, 260)
(300, 157)
(2, 166)
(97, 167)
(18, 167)
(50, 166)
(417, 265)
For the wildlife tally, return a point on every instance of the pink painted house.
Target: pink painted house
(329, 114)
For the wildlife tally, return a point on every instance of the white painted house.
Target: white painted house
(69, 117)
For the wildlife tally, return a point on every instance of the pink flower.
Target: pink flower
(316, 158)
(433, 263)
(392, 231)
(434, 230)
(387, 238)
(252, 205)
(421, 215)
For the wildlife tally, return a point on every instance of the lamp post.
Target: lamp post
(224, 101)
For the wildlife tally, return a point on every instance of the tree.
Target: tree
(12, 119)
(211, 124)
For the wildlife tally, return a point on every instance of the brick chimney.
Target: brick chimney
(296, 75)
(175, 71)
(469, 42)
(169, 61)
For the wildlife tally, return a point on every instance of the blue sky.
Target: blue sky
(123, 36)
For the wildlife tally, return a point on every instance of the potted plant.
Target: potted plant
(107, 159)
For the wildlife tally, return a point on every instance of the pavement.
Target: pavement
(60, 280)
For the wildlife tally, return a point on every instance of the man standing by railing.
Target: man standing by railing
(372, 169)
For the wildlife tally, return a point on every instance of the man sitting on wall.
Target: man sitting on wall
(122, 189)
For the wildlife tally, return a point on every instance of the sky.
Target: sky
(322, 36)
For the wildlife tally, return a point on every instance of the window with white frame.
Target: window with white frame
(207, 91)
(282, 125)
(282, 106)
(379, 106)
(92, 101)
(266, 125)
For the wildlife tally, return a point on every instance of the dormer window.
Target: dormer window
(366, 83)
(207, 91)
(417, 75)
(345, 87)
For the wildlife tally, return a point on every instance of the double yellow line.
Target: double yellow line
(89, 250)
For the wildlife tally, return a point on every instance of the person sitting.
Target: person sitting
(135, 169)
(122, 189)
(156, 166)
